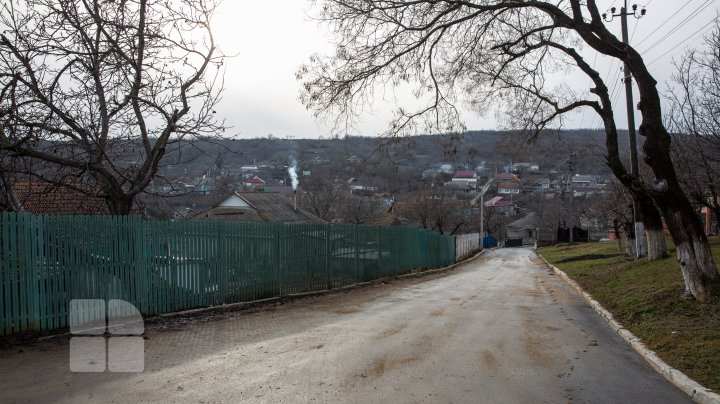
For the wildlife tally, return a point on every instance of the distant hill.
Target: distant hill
(551, 150)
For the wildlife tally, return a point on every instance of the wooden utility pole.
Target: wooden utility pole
(627, 79)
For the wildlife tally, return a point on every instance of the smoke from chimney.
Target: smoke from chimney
(292, 171)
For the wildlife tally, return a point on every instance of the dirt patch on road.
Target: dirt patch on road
(489, 359)
(346, 310)
(393, 331)
(383, 365)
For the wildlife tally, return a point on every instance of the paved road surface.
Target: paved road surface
(501, 329)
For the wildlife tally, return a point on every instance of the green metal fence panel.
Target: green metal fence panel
(162, 266)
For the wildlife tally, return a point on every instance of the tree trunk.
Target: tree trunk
(618, 240)
(716, 213)
(696, 261)
(629, 238)
(693, 252)
(10, 201)
(656, 248)
(119, 205)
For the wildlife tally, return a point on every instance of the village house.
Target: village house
(468, 178)
(505, 177)
(253, 183)
(266, 207)
(509, 188)
(43, 198)
(501, 205)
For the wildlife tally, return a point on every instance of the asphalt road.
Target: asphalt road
(499, 329)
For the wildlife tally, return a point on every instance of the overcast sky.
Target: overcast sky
(272, 38)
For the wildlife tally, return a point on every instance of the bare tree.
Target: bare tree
(493, 221)
(694, 117)
(99, 90)
(322, 196)
(502, 51)
(434, 211)
(8, 197)
(651, 218)
(360, 210)
(615, 207)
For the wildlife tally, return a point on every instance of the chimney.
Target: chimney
(295, 200)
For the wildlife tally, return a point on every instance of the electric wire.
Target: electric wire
(702, 30)
(687, 19)
(673, 15)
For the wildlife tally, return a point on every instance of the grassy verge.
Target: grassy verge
(645, 298)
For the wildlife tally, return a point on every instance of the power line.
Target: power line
(673, 15)
(627, 77)
(615, 78)
(687, 19)
(582, 120)
(616, 84)
(637, 22)
(682, 42)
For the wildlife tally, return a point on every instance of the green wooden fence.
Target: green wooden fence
(162, 266)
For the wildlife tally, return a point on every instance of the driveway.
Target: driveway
(499, 329)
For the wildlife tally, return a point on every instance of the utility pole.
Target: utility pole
(481, 198)
(627, 79)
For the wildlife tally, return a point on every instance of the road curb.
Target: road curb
(695, 390)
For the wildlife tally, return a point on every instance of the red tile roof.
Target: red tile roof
(464, 174)
(505, 176)
(49, 199)
(498, 202)
(255, 180)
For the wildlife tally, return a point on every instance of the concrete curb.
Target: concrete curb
(695, 390)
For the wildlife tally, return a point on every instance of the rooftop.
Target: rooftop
(505, 176)
(269, 207)
(43, 198)
(464, 174)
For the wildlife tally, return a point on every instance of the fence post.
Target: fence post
(222, 265)
(139, 264)
(278, 261)
(379, 244)
(358, 276)
(34, 232)
(425, 243)
(328, 254)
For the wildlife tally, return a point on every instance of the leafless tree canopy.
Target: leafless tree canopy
(98, 89)
(434, 211)
(360, 210)
(489, 50)
(694, 117)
